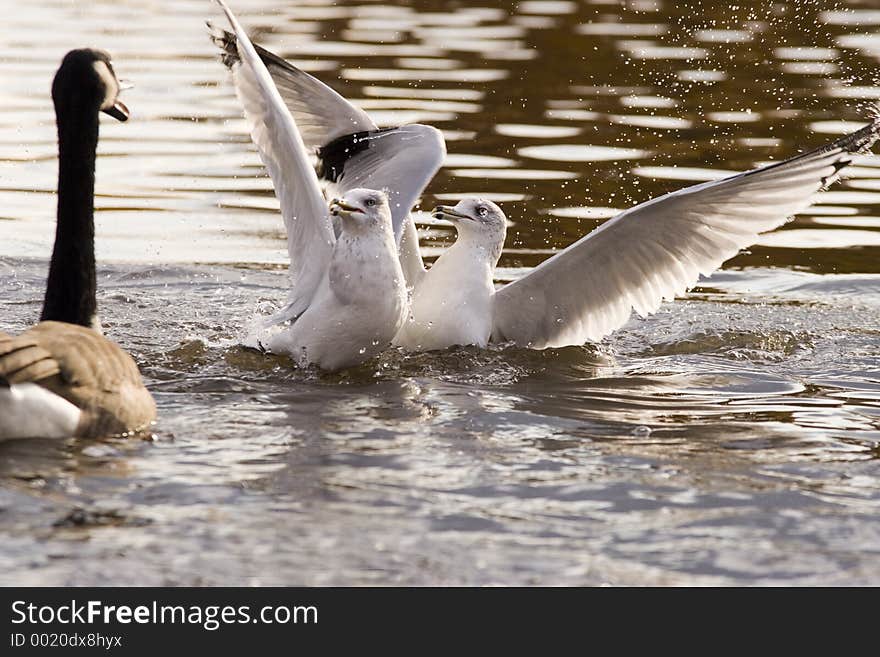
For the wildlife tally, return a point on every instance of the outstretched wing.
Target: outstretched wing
(310, 236)
(660, 248)
(352, 151)
(321, 114)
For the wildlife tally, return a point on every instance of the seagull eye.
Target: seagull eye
(370, 202)
(482, 211)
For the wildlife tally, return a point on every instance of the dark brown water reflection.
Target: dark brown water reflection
(733, 438)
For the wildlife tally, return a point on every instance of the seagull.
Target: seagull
(649, 253)
(348, 295)
(452, 303)
(361, 301)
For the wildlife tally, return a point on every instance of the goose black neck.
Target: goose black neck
(70, 289)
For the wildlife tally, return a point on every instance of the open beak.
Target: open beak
(119, 111)
(445, 212)
(340, 208)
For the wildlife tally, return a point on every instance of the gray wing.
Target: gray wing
(401, 161)
(352, 151)
(274, 131)
(660, 248)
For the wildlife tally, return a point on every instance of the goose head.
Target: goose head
(86, 81)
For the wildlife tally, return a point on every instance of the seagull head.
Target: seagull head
(362, 209)
(86, 77)
(476, 217)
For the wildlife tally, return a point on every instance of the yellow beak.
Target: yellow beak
(342, 209)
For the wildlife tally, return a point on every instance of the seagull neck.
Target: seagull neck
(355, 239)
(358, 260)
(478, 248)
(70, 288)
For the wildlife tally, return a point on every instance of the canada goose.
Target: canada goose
(348, 295)
(62, 377)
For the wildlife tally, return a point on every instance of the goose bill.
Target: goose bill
(118, 111)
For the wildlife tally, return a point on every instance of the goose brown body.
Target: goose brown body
(85, 368)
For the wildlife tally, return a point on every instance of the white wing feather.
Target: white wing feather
(659, 249)
(310, 236)
(401, 161)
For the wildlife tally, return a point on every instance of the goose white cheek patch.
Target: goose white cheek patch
(111, 85)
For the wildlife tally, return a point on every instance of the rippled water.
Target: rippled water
(733, 438)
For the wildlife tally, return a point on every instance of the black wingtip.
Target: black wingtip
(855, 143)
(4, 383)
(226, 41)
(861, 140)
(838, 166)
(332, 157)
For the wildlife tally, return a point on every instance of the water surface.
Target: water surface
(733, 438)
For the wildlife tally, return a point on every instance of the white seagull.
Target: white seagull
(348, 296)
(652, 252)
(647, 254)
